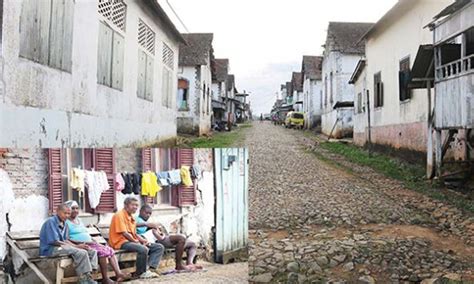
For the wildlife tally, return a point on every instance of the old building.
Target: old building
(297, 91)
(449, 61)
(35, 181)
(398, 114)
(312, 90)
(231, 100)
(194, 84)
(343, 50)
(87, 73)
(219, 91)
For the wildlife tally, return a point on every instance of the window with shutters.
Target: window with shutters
(61, 163)
(110, 55)
(160, 160)
(46, 32)
(331, 81)
(404, 77)
(167, 81)
(186, 194)
(378, 90)
(146, 61)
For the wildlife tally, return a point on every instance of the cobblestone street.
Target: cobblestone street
(214, 273)
(311, 221)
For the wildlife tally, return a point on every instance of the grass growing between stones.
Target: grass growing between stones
(412, 176)
(235, 138)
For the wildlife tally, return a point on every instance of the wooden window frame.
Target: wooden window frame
(47, 39)
(378, 90)
(98, 159)
(405, 94)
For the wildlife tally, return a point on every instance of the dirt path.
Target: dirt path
(312, 221)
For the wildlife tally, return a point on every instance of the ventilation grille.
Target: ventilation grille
(168, 56)
(115, 11)
(146, 37)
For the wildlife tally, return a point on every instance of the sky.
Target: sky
(265, 40)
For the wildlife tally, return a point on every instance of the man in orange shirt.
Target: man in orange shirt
(123, 235)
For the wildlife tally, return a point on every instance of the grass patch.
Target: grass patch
(222, 139)
(412, 176)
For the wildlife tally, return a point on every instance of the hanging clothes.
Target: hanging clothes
(150, 185)
(174, 177)
(77, 180)
(96, 183)
(196, 172)
(127, 178)
(163, 178)
(119, 182)
(136, 183)
(186, 176)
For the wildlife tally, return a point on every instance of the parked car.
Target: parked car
(294, 120)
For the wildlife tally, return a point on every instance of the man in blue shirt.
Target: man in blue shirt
(54, 241)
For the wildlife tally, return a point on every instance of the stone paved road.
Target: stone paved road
(230, 273)
(311, 221)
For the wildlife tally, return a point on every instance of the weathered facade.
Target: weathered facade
(117, 86)
(219, 90)
(33, 194)
(343, 50)
(453, 72)
(398, 113)
(312, 90)
(297, 91)
(194, 84)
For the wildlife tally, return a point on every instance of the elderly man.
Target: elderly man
(177, 241)
(123, 235)
(54, 241)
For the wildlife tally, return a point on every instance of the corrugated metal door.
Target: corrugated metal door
(231, 175)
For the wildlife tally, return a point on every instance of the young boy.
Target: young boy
(179, 242)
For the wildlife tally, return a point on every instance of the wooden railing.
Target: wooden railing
(455, 68)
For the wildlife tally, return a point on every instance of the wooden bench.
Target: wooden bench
(26, 246)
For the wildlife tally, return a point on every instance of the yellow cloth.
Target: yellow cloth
(186, 176)
(150, 185)
(77, 180)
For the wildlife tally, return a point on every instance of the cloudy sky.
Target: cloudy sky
(266, 39)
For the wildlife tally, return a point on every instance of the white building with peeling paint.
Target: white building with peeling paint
(87, 73)
(343, 50)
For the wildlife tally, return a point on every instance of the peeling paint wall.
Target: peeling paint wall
(341, 66)
(312, 103)
(43, 106)
(196, 120)
(397, 124)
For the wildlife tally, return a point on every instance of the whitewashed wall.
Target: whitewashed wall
(342, 66)
(42, 106)
(399, 124)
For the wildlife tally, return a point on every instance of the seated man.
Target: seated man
(54, 241)
(123, 235)
(179, 242)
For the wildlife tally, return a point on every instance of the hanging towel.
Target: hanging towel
(127, 178)
(95, 186)
(163, 178)
(196, 172)
(136, 183)
(150, 185)
(119, 182)
(174, 177)
(186, 176)
(77, 180)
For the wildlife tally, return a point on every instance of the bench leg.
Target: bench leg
(59, 273)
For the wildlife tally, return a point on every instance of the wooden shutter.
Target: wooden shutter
(147, 165)
(186, 194)
(104, 160)
(55, 193)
